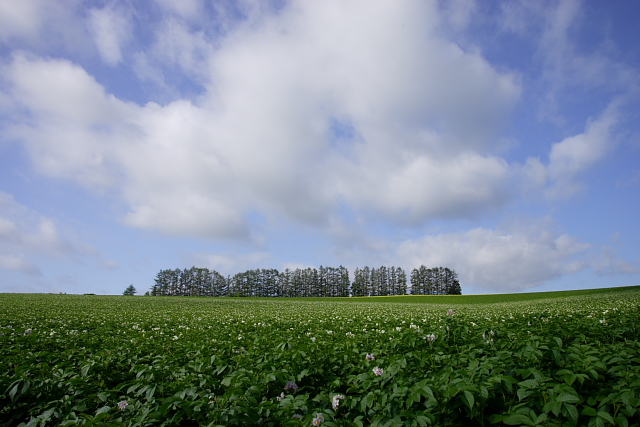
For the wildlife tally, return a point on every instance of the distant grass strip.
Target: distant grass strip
(478, 299)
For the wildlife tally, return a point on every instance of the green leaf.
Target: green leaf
(468, 399)
(495, 418)
(423, 421)
(517, 420)
(567, 397)
(533, 384)
(571, 412)
(13, 392)
(622, 421)
(46, 415)
(413, 397)
(554, 407)
(103, 409)
(541, 418)
(484, 393)
(85, 369)
(589, 411)
(606, 416)
(150, 392)
(524, 393)
(426, 391)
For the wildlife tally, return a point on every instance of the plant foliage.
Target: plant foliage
(111, 361)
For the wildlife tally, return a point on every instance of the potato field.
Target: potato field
(563, 360)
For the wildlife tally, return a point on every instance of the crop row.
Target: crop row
(71, 360)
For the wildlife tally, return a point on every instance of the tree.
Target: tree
(130, 290)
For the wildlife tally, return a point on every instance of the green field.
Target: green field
(549, 359)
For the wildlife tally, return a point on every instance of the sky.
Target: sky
(500, 139)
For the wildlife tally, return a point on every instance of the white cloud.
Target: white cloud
(180, 47)
(557, 31)
(19, 263)
(42, 24)
(423, 114)
(78, 126)
(607, 262)
(412, 190)
(188, 9)
(110, 28)
(229, 264)
(569, 159)
(579, 152)
(20, 18)
(25, 234)
(458, 13)
(499, 260)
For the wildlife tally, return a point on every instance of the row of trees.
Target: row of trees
(308, 282)
(379, 281)
(434, 281)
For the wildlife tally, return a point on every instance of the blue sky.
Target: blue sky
(500, 139)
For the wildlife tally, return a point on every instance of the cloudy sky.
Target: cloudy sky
(500, 139)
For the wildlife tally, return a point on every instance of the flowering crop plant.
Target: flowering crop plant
(565, 360)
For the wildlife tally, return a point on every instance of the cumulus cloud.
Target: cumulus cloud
(331, 115)
(423, 116)
(74, 134)
(19, 18)
(42, 24)
(509, 259)
(458, 13)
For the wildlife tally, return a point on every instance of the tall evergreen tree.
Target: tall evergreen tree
(401, 288)
(130, 291)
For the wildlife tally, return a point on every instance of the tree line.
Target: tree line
(308, 282)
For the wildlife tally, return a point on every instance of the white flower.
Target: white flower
(335, 402)
(317, 420)
(290, 385)
(122, 404)
(378, 371)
